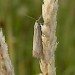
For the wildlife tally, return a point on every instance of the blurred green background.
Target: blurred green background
(17, 18)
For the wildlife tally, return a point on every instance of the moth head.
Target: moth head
(37, 25)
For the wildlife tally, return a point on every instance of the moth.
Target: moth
(37, 41)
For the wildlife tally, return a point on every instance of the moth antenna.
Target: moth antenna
(30, 17)
(40, 20)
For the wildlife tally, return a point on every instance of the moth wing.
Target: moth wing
(37, 41)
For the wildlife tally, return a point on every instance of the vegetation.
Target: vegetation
(17, 18)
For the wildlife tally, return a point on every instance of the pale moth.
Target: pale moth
(37, 41)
